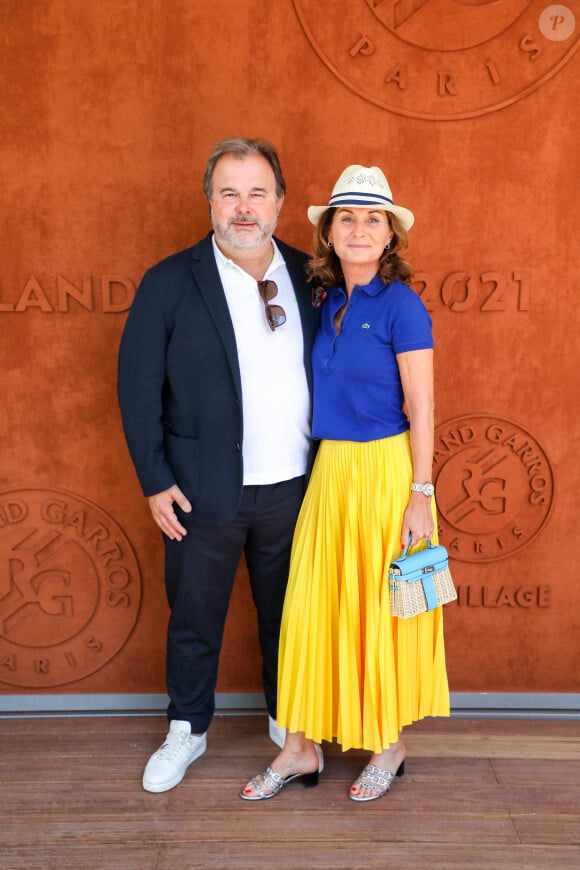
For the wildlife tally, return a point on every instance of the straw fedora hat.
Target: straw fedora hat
(362, 187)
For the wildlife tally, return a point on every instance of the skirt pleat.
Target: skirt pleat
(348, 670)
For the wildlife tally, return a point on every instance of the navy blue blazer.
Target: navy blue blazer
(179, 385)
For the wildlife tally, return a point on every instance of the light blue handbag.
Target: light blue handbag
(420, 581)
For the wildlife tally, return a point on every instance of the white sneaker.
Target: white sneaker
(277, 734)
(166, 767)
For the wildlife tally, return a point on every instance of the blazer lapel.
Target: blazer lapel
(207, 279)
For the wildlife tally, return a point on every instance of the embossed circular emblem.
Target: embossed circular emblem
(70, 588)
(440, 59)
(495, 487)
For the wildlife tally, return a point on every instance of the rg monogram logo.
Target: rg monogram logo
(467, 22)
(70, 588)
(495, 487)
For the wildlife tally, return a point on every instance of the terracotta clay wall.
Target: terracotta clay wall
(108, 111)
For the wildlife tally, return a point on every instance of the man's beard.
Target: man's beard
(240, 242)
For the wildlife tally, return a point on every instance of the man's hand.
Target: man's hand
(161, 505)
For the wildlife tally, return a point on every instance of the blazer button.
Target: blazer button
(237, 446)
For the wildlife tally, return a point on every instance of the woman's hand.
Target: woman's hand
(417, 520)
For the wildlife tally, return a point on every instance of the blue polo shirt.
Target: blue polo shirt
(357, 387)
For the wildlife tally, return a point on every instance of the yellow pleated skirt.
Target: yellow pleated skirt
(347, 669)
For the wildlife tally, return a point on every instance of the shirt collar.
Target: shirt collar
(373, 288)
(225, 262)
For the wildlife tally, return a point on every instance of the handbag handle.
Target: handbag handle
(406, 550)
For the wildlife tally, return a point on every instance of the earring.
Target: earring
(329, 243)
(388, 246)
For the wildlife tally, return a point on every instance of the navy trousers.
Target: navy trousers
(199, 575)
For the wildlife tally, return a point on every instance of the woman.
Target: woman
(348, 670)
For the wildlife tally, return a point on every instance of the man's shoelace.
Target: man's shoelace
(173, 747)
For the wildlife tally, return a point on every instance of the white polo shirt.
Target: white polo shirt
(275, 396)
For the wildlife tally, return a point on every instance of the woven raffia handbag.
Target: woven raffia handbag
(420, 582)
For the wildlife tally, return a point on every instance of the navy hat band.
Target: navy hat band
(358, 198)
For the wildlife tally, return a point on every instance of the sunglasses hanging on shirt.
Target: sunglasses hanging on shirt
(275, 314)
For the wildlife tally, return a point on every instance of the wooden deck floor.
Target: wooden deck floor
(476, 794)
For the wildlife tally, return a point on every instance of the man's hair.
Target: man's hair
(240, 148)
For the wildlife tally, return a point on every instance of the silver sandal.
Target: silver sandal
(276, 782)
(377, 780)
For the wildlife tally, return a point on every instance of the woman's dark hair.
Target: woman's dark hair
(324, 265)
(241, 148)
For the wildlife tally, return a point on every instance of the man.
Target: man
(214, 390)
